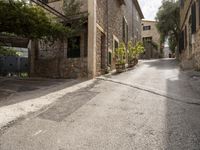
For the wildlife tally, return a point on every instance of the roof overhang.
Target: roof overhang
(138, 8)
(122, 2)
(13, 41)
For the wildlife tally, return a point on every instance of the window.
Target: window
(73, 50)
(49, 1)
(103, 50)
(181, 3)
(116, 44)
(85, 53)
(199, 12)
(147, 39)
(125, 30)
(122, 2)
(193, 12)
(185, 36)
(44, 1)
(146, 28)
(181, 41)
(109, 58)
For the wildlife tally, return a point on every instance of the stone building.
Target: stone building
(108, 23)
(151, 39)
(189, 44)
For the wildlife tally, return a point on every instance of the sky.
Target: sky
(150, 8)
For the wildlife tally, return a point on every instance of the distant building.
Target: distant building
(189, 43)
(151, 39)
(166, 52)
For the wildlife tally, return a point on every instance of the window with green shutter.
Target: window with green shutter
(193, 18)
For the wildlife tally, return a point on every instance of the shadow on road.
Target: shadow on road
(13, 90)
(182, 120)
(166, 63)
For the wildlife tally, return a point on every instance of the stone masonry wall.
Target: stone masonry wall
(197, 51)
(190, 56)
(98, 52)
(115, 22)
(102, 22)
(51, 60)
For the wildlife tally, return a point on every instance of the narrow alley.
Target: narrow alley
(154, 106)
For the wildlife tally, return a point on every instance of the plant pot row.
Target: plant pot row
(122, 66)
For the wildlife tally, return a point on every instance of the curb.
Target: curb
(173, 97)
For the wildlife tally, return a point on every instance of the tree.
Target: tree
(168, 18)
(8, 52)
(72, 7)
(22, 19)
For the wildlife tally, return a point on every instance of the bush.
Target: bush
(8, 52)
(134, 51)
(120, 54)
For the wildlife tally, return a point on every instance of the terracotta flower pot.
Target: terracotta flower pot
(132, 62)
(120, 68)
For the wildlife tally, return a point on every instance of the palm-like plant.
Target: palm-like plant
(134, 52)
(120, 54)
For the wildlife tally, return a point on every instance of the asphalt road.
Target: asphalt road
(152, 107)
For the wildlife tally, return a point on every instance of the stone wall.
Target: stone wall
(98, 53)
(50, 60)
(61, 68)
(184, 10)
(190, 55)
(197, 51)
(114, 20)
(58, 5)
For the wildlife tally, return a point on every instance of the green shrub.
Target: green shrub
(8, 52)
(134, 51)
(120, 54)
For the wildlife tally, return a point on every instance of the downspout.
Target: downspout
(132, 24)
(107, 32)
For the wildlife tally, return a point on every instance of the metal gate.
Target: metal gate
(13, 65)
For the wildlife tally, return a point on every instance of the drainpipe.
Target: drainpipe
(107, 31)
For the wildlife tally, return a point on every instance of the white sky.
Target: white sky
(150, 8)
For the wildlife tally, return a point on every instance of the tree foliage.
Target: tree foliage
(120, 53)
(72, 7)
(134, 51)
(168, 18)
(22, 19)
(8, 52)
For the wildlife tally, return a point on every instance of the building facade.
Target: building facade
(91, 52)
(189, 43)
(151, 39)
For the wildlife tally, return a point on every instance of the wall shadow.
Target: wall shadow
(14, 90)
(182, 116)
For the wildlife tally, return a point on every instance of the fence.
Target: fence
(13, 65)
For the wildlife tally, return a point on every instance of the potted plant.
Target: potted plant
(134, 52)
(139, 50)
(120, 55)
(131, 54)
